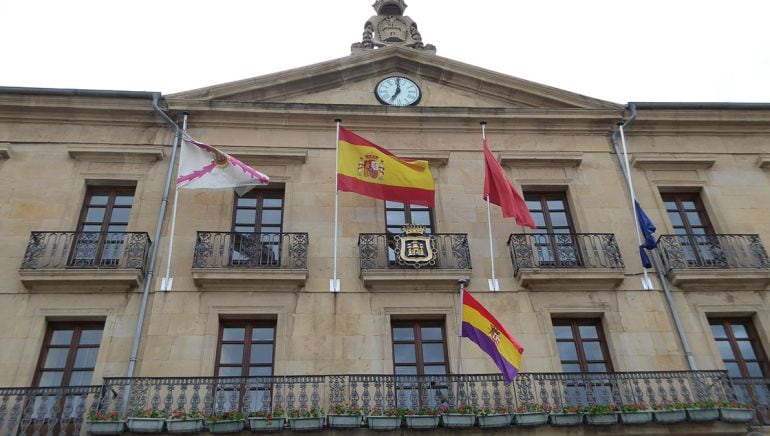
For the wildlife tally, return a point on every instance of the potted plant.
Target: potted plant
(181, 421)
(147, 421)
(423, 418)
(733, 411)
(669, 412)
(460, 416)
(344, 415)
(702, 411)
(226, 422)
(385, 419)
(493, 417)
(531, 415)
(104, 422)
(306, 419)
(601, 414)
(566, 415)
(267, 420)
(636, 413)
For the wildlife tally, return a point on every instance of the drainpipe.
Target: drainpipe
(655, 260)
(156, 245)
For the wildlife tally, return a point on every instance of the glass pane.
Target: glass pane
(61, 337)
(247, 202)
(394, 218)
(597, 367)
(676, 219)
(271, 217)
(754, 369)
(421, 218)
(232, 333)
(80, 378)
(539, 219)
(91, 337)
(533, 205)
(244, 229)
(747, 350)
(555, 205)
(570, 367)
(261, 353)
(688, 205)
(124, 200)
(403, 334)
(51, 378)
(86, 357)
(90, 228)
(95, 214)
(231, 353)
(694, 218)
(229, 371)
(406, 370)
(432, 353)
(733, 370)
(245, 216)
(116, 228)
(272, 202)
(120, 215)
(739, 331)
(262, 334)
(559, 219)
(725, 350)
(435, 370)
(588, 332)
(562, 331)
(394, 205)
(260, 371)
(404, 353)
(669, 205)
(56, 358)
(567, 350)
(99, 200)
(718, 331)
(593, 351)
(431, 334)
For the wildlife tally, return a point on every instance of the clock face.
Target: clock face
(397, 91)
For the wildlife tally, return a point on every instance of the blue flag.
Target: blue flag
(648, 228)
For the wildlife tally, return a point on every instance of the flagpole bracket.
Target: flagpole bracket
(494, 285)
(166, 283)
(334, 286)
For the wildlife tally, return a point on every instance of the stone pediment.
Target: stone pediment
(351, 81)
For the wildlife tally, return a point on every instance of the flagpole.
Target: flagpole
(462, 283)
(334, 283)
(168, 281)
(494, 286)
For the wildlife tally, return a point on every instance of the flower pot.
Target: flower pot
(265, 425)
(602, 419)
(146, 425)
(306, 424)
(702, 415)
(384, 423)
(669, 416)
(530, 418)
(494, 421)
(638, 417)
(343, 421)
(229, 426)
(105, 427)
(422, 421)
(566, 419)
(736, 415)
(458, 420)
(184, 425)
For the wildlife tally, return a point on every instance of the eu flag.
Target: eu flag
(648, 228)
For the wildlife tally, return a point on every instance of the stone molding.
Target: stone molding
(541, 160)
(81, 280)
(720, 280)
(116, 153)
(410, 280)
(570, 279)
(435, 158)
(673, 161)
(5, 150)
(764, 161)
(268, 155)
(252, 279)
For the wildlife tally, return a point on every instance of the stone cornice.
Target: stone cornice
(672, 161)
(268, 155)
(542, 159)
(116, 153)
(704, 121)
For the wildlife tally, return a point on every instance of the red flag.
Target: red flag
(501, 192)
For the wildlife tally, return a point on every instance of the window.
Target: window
(419, 349)
(400, 214)
(69, 354)
(257, 227)
(102, 227)
(245, 348)
(693, 229)
(739, 347)
(581, 345)
(554, 239)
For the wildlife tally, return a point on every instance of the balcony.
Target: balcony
(84, 261)
(276, 261)
(383, 269)
(715, 262)
(31, 410)
(566, 261)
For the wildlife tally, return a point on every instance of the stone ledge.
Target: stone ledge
(250, 279)
(81, 280)
(764, 161)
(673, 161)
(436, 158)
(409, 280)
(737, 279)
(115, 153)
(541, 160)
(570, 279)
(5, 150)
(268, 155)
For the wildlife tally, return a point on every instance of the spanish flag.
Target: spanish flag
(368, 169)
(482, 328)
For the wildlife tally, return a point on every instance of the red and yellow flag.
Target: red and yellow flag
(368, 169)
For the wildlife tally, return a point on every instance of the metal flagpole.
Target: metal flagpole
(167, 281)
(494, 286)
(334, 283)
(462, 283)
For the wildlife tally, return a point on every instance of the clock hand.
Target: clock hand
(398, 89)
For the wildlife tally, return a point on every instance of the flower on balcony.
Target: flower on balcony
(150, 413)
(388, 411)
(702, 404)
(669, 405)
(486, 411)
(345, 409)
(634, 407)
(567, 409)
(177, 414)
(532, 408)
(460, 409)
(601, 409)
(277, 412)
(232, 415)
(432, 411)
(735, 404)
(103, 416)
(313, 412)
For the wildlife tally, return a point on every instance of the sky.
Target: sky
(620, 51)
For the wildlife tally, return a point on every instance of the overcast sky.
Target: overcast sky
(651, 50)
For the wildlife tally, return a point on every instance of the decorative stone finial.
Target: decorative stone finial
(390, 27)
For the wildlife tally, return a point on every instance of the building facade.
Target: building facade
(83, 176)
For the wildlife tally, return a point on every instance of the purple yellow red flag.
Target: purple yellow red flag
(486, 331)
(368, 169)
(501, 192)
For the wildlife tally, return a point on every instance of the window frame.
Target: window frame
(578, 340)
(416, 324)
(248, 325)
(753, 338)
(407, 210)
(260, 195)
(104, 238)
(548, 236)
(72, 348)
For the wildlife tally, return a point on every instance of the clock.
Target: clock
(397, 91)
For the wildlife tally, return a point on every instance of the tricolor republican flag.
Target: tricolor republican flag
(202, 166)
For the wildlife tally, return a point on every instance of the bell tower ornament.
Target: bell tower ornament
(390, 27)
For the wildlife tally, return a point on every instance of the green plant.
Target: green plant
(532, 408)
(345, 409)
(461, 409)
(634, 407)
(232, 415)
(498, 410)
(432, 411)
(103, 416)
(566, 409)
(734, 404)
(149, 413)
(702, 404)
(277, 412)
(313, 412)
(389, 411)
(182, 414)
(669, 405)
(601, 409)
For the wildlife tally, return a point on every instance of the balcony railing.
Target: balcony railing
(86, 250)
(712, 251)
(564, 250)
(251, 250)
(376, 252)
(38, 408)
(755, 391)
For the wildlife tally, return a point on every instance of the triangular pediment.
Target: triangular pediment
(351, 81)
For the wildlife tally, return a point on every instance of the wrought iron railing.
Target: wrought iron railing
(37, 409)
(564, 250)
(74, 250)
(376, 251)
(251, 250)
(757, 392)
(712, 251)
